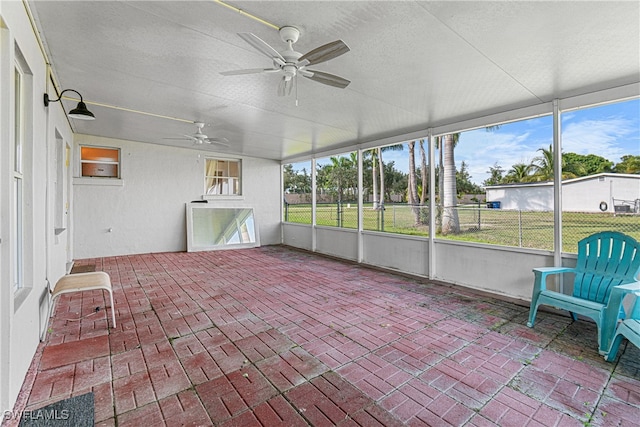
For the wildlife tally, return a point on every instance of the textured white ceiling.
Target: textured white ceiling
(412, 65)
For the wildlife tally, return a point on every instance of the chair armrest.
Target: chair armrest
(613, 311)
(617, 295)
(629, 287)
(541, 273)
(554, 270)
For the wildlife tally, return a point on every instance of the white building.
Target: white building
(604, 192)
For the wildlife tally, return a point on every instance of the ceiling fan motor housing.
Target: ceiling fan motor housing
(289, 34)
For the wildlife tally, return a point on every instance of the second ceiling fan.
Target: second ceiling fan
(200, 138)
(291, 63)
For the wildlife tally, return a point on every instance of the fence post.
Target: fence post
(382, 216)
(286, 211)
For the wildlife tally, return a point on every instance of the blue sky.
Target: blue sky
(610, 131)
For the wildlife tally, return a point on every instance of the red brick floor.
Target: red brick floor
(274, 336)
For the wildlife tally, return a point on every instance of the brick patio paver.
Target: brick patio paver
(273, 336)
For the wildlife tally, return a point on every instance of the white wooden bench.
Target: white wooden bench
(80, 282)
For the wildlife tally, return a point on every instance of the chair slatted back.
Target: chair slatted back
(605, 259)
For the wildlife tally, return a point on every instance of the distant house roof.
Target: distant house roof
(564, 182)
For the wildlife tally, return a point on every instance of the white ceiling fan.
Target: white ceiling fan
(200, 138)
(291, 63)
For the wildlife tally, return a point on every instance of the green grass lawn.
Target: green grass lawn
(494, 226)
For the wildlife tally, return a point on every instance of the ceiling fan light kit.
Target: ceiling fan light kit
(291, 63)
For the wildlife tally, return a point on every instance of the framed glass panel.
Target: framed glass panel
(337, 191)
(600, 171)
(210, 228)
(297, 201)
(509, 161)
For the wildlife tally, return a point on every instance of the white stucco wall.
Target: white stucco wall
(529, 198)
(338, 242)
(298, 235)
(500, 270)
(578, 195)
(586, 195)
(22, 313)
(408, 254)
(144, 211)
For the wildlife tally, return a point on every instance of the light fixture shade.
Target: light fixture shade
(81, 112)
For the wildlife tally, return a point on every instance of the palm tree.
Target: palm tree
(424, 174)
(378, 165)
(374, 176)
(520, 172)
(395, 147)
(450, 220)
(543, 165)
(412, 184)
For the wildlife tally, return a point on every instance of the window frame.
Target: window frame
(17, 175)
(83, 161)
(219, 175)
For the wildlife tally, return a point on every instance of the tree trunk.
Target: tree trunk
(450, 221)
(424, 175)
(381, 165)
(374, 177)
(413, 190)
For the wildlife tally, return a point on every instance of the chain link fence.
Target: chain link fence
(534, 229)
(505, 227)
(298, 213)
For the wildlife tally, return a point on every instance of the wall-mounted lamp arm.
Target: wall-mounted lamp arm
(80, 112)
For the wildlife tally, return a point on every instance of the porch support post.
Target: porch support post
(360, 207)
(557, 187)
(431, 268)
(314, 191)
(283, 202)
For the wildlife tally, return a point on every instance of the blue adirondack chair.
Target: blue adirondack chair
(606, 271)
(629, 329)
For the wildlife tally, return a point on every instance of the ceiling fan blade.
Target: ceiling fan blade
(218, 141)
(261, 46)
(327, 79)
(249, 71)
(325, 52)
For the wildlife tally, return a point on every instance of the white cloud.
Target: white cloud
(481, 150)
(601, 137)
